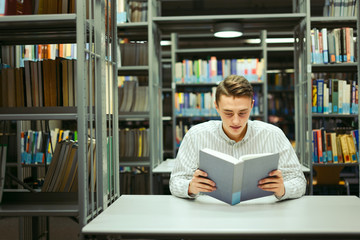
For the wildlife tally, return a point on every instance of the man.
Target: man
(236, 135)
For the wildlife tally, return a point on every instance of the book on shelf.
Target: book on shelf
(332, 46)
(37, 146)
(133, 97)
(195, 104)
(133, 53)
(62, 170)
(332, 147)
(133, 11)
(121, 11)
(238, 178)
(214, 70)
(340, 8)
(45, 83)
(27, 7)
(334, 96)
(134, 142)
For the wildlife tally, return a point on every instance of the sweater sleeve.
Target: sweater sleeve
(186, 164)
(294, 179)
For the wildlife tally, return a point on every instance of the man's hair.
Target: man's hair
(234, 86)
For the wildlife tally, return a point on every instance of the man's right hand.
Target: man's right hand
(200, 183)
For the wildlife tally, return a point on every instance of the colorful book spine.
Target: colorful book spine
(320, 95)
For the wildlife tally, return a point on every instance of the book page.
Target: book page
(251, 156)
(222, 156)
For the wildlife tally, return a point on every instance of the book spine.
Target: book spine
(325, 45)
(314, 97)
(320, 95)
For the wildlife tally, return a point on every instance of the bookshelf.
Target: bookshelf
(193, 24)
(280, 77)
(141, 33)
(94, 120)
(203, 83)
(309, 69)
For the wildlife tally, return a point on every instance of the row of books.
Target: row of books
(280, 104)
(62, 174)
(133, 98)
(340, 8)
(15, 55)
(335, 96)
(134, 182)
(214, 70)
(134, 142)
(133, 53)
(330, 147)
(39, 84)
(202, 103)
(26, 7)
(335, 46)
(195, 104)
(37, 147)
(280, 81)
(180, 130)
(132, 11)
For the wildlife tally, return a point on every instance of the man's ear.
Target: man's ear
(252, 103)
(216, 107)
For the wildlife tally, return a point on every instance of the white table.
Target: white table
(165, 167)
(166, 216)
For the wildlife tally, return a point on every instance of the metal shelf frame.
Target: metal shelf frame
(303, 89)
(90, 199)
(146, 31)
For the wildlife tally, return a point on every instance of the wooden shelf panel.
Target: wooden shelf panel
(42, 28)
(133, 71)
(134, 116)
(332, 115)
(334, 22)
(38, 113)
(134, 31)
(335, 67)
(39, 204)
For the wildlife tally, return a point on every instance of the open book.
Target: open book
(237, 179)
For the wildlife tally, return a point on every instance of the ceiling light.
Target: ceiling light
(228, 30)
(270, 40)
(165, 43)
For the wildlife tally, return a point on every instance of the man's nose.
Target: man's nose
(236, 119)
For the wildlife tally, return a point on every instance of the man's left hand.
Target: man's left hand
(273, 183)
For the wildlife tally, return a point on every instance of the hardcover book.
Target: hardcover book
(237, 179)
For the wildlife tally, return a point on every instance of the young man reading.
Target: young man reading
(236, 135)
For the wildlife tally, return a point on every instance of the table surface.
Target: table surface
(149, 216)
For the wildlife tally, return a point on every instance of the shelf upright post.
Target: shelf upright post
(156, 136)
(174, 46)
(100, 108)
(358, 77)
(308, 115)
(263, 35)
(82, 78)
(302, 97)
(114, 167)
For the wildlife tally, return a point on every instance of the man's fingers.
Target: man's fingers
(205, 187)
(199, 173)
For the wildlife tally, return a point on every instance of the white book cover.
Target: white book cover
(237, 179)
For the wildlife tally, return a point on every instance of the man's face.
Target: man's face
(234, 113)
